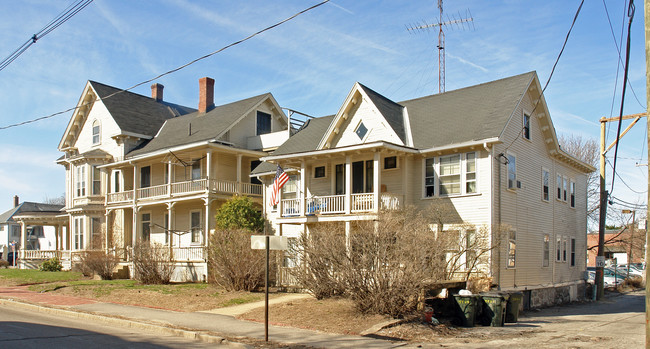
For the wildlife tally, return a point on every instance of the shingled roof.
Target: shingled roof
(137, 113)
(29, 207)
(392, 112)
(196, 127)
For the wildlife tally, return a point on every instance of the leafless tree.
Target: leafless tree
(586, 150)
(58, 200)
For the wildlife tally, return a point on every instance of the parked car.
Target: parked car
(608, 281)
(634, 272)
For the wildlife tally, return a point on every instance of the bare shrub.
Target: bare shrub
(100, 263)
(232, 262)
(4, 264)
(633, 282)
(152, 263)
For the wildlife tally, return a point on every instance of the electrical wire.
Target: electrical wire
(566, 39)
(630, 14)
(63, 17)
(173, 70)
(621, 178)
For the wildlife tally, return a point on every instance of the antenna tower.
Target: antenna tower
(441, 39)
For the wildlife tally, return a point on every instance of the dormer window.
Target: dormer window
(263, 123)
(96, 132)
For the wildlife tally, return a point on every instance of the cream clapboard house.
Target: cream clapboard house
(489, 150)
(141, 170)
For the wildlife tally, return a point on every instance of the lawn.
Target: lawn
(10, 277)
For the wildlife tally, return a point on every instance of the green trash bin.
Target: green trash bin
(494, 311)
(468, 306)
(512, 308)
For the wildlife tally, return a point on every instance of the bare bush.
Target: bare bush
(152, 263)
(232, 262)
(100, 263)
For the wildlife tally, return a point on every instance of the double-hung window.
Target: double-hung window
(564, 186)
(195, 226)
(526, 128)
(558, 247)
(572, 198)
(449, 175)
(512, 249)
(512, 171)
(559, 187)
(470, 173)
(80, 181)
(97, 181)
(79, 223)
(546, 251)
(96, 130)
(429, 177)
(146, 226)
(196, 170)
(546, 182)
(573, 252)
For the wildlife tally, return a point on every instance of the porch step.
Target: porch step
(121, 272)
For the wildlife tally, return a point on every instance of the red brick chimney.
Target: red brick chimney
(206, 94)
(16, 201)
(157, 92)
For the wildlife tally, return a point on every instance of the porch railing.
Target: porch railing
(251, 189)
(191, 253)
(40, 254)
(122, 196)
(150, 192)
(223, 186)
(190, 186)
(335, 204)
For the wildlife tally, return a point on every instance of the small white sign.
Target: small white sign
(600, 261)
(276, 243)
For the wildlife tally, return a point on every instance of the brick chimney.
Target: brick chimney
(157, 92)
(16, 201)
(206, 94)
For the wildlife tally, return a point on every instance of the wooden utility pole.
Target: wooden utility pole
(600, 257)
(646, 11)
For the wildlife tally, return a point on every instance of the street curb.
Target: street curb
(127, 323)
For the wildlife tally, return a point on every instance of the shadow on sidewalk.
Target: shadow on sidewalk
(633, 302)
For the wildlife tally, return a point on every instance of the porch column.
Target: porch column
(303, 193)
(348, 244)
(136, 172)
(23, 239)
(207, 203)
(57, 229)
(136, 221)
(107, 216)
(208, 167)
(376, 180)
(239, 156)
(170, 212)
(169, 177)
(348, 184)
(405, 182)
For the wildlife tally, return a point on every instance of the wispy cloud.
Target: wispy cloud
(341, 7)
(464, 61)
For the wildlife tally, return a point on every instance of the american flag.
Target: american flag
(280, 179)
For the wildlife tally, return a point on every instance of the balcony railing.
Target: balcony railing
(335, 204)
(187, 187)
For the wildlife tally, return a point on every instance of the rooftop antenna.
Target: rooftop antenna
(441, 38)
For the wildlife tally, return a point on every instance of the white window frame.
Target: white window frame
(546, 182)
(467, 172)
(564, 249)
(434, 164)
(196, 234)
(525, 126)
(96, 179)
(96, 136)
(572, 193)
(565, 184)
(392, 168)
(454, 174)
(79, 228)
(120, 181)
(558, 183)
(572, 254)
(512, 157)
(558, 248)
(142, 222)
(195, 164)
(432, 177)
(511, 256)
(80, 181)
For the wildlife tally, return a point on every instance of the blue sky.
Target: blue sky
(309, 64)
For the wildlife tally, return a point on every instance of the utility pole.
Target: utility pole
(600, 257)
(441, 40)
(646, 11)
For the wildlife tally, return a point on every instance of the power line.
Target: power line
(64, 16)
(630, 14)
(175, 69)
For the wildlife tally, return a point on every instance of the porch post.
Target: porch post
(23, 239)
(348, 245)
(169, 178)
(405, 184)
(376, 180)
(208, 167)
(207, 203)
(303, 193)
(136, 171)
(239, 156)
(170, 212)
(348, 184)
(57, 229)
(136, 220)
(107, 215)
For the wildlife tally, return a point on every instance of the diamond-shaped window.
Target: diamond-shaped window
(361, 131)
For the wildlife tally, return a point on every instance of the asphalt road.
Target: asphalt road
(23, 329)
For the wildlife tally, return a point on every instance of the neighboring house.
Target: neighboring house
(35, 228)
(623, 245)
(142, 170)
(490, 151)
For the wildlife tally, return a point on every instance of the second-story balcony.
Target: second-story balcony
(336, 204)
(179, 189)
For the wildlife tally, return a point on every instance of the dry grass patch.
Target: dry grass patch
(333, 315)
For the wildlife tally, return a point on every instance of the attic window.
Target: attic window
(361, 130)
(263, 123)
(95, 132)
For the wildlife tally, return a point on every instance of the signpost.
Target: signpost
(267, 242)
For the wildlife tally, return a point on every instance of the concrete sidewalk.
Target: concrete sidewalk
(207, 326)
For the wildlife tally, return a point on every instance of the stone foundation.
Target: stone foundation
(550, 296)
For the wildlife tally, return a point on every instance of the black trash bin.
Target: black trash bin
(468, 306)
(494, 309)
(512, 308)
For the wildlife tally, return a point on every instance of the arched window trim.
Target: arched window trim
(96, 136)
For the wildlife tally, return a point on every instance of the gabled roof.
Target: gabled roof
(196, 127)
(137, 113)
(392, 112)
(29, 207)
(469, 114)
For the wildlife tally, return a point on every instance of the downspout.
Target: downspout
(498, 238)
